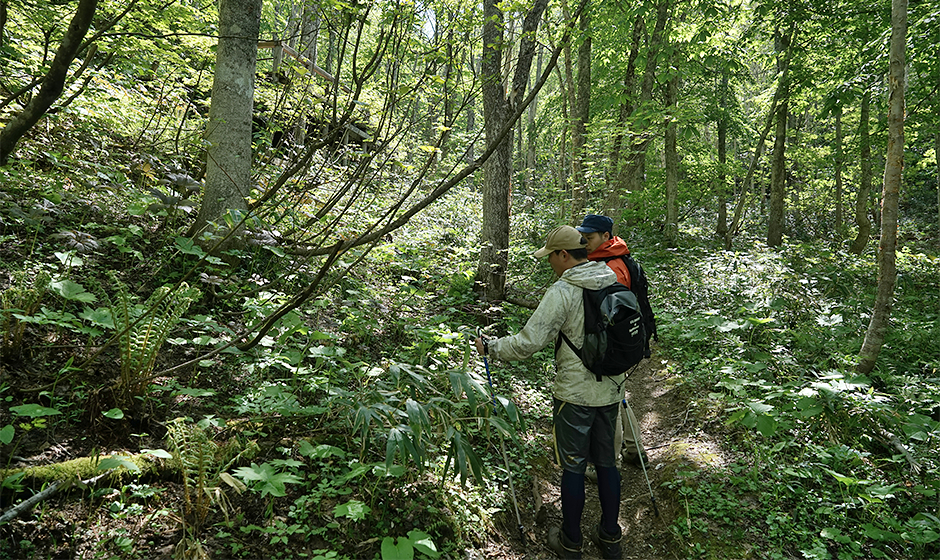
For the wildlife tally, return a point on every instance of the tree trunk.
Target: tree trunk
(634, 162)
(778, 179)
(778, 169)
(672, 163)
(449, 67)
(580, 116)
(570, 97)
(864, 183)
(228, 171)
(721, 228)
(531, 138)
(894, 167)
(471, 107)
(54, 82)
(497, 108)
(617, 150)
(3, 19)
(839, 218)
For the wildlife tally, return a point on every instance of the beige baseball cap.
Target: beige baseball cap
(562, 238)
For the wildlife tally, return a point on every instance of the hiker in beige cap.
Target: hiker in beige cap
(585, 410)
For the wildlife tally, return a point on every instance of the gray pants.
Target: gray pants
(628, 435)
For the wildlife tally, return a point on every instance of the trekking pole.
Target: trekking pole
(639, 452)
(502, 445)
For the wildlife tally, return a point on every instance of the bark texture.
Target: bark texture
(54, 82)
(228, 170)
(580, 116)
(894, 167)
(864, 184)
(497, 109)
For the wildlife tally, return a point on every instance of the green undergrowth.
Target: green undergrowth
(821, 462)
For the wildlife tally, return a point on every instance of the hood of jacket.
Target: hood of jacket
(590, 275)
(615, 247)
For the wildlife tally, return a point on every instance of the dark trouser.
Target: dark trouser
(582, 434)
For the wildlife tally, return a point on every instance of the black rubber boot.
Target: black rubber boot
(609, 545)
(562, 545)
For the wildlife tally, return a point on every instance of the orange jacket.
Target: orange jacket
(610, 252)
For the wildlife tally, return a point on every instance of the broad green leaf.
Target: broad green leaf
(114, 414)
(766, 425)
(879, 534)
(189, 247)
(393, 471)
(33, 410)
(72, 291)
(353, 509)
(161, 453)
(322, 451)
(6, 434)
(422, 541)
(736, 417)
(834, 533)
(69, 258)
(403, 550)
(759, 407)
(101, 317)
(115, 462)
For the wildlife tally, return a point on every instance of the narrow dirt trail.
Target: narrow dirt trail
(670, 442)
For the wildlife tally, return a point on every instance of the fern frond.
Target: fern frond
(141, 343)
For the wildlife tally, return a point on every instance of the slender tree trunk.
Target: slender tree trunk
(779, 95)
(617, 150)
(228, 173)
(721, 228)
(53, 83)
(471, 107)
(565, 132)
(778, 179)
(778, 169)
(580, 117)
(570, 96)
(894, 167)
(531, 137)
(3, 19)
(672, 163)
(839, 163)
(634, 162)
(864, 183)
(497, 108)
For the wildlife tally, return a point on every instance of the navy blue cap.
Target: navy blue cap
(593, 223)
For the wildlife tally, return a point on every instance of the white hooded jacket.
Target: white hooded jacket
(562, 308)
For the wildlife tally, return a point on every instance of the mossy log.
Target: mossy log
(78, 469)
(84, 471)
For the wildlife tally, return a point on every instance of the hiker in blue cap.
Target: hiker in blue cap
(603, 246)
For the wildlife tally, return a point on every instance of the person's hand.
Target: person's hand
(481, 346)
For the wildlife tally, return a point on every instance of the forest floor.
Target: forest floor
(672, 441)
(68, 527)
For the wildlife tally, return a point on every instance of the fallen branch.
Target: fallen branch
(49, 492)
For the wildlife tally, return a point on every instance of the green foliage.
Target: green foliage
(21, 300)
(266, 479)
(143, 330)
(826, 451)
(203, 464)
